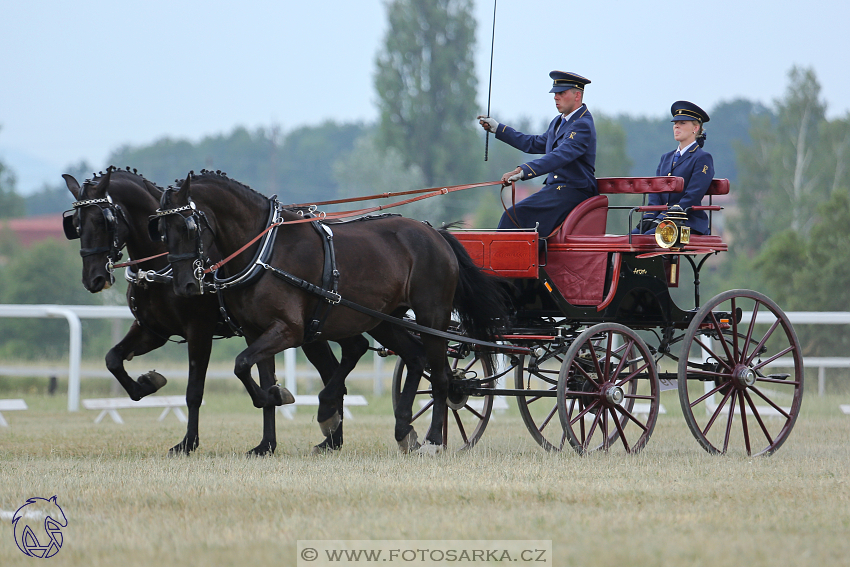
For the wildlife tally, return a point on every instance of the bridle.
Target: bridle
(195, 224)
(110, 216)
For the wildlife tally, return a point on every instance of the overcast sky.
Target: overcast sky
(78, 79)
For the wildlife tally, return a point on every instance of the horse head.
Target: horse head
(27, 538)
(94, 220)
(182, 226)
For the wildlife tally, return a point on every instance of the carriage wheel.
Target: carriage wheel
(467, 416)
(730, 400)
(540, 372)
(608, 390)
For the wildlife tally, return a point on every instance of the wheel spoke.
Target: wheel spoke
(606, 440)
(620, 431)
(768, 400)
(708, 395)
(729, 422)
(591, 431)
(584, 411)
(721, 338)
(472, 411)
(750, 329)
(602, 377)
(460, 426)
(762, 341)
(633, 374)
(623, 360)
(638, 397)
(626, 413)
(758, 417)
(744, 425)
(548, 418)
(778, 381)
(712, 354)
(717, 411)
(734, 332)
(772, 358)
(425, 408)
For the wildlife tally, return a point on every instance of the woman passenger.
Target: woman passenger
(688, 161)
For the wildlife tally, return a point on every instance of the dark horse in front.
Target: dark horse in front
(110, 212)
(388, 264)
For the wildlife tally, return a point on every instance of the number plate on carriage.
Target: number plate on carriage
(510, 254)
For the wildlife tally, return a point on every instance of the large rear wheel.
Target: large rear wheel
(741, 374)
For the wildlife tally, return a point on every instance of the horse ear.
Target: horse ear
(104, 181)
(183, 193)
(73, 185)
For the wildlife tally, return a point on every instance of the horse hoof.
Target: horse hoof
(410, 442)
(430, 449)
(282, 396)
(153, 379)
(330, 425)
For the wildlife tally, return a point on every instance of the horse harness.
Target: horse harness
(110, 217)
(327, 291)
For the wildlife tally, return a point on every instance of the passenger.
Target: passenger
(569, 145)
(688, 161)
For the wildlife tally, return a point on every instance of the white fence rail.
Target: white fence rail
(74, 313)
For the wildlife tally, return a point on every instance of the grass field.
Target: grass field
(672, 505)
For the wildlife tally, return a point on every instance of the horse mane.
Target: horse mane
(217, 176)
(154, 189)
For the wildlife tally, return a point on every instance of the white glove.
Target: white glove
(489, 124)
(515, 177)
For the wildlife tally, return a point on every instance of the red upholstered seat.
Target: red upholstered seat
(580, 275)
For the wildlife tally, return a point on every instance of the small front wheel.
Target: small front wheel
(468, 416)
(608, 391)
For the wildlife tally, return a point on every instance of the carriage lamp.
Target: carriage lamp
(672, 232)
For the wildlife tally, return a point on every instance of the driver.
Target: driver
(569, 160)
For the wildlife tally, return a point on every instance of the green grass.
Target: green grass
(672, 505)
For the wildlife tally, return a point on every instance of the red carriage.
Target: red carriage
(596, 337)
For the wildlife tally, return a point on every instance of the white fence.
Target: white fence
(73, 314)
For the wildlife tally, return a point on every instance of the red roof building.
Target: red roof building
(30, 230)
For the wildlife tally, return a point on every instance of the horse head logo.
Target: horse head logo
(37, 538)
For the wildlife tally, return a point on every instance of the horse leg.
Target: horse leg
(267, 380)
(137, 341)
(273, 340)
(435, 348)
(199, 342)
(411, 352)
(330, 412)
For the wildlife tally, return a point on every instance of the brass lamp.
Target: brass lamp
(672, 232)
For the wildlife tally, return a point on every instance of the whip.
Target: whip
(490, 88)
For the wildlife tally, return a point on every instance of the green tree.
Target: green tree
(791, 166)
(426, 88)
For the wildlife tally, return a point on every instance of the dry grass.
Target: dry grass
(128, 504)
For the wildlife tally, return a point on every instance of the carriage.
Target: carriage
(596, 337)
(593, 337)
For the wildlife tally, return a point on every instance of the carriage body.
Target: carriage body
(605, 337)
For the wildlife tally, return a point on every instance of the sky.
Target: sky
(80, 79)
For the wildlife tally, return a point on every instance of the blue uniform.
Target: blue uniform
(569, 163)
(696, 167)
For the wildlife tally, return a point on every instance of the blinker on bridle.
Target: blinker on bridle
(193, 226)
(73, 232)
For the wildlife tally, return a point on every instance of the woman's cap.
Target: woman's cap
(684, 110)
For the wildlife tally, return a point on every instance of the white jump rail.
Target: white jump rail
(10, 405)
(110, 406)
(288, 410)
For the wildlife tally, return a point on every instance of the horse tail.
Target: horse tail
(480, 299)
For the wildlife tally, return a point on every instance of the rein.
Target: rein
(345, 214)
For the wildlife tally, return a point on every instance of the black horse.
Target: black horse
(389, 264)
(112, 211)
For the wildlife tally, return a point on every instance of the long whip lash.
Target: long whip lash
(490, 87)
